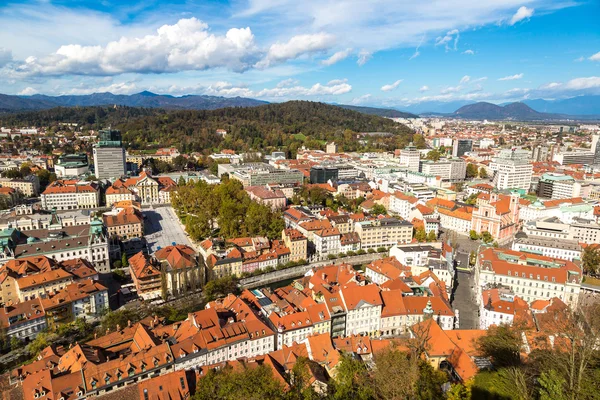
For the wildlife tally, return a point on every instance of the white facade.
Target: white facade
(327, 244)
(364, 319)
(512, 170)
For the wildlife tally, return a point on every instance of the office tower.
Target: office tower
(461, 146)
(109, 155)
(512, 169)
(409, 157)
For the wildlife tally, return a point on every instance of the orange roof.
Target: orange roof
(355, 295)
(178, 256)
(43, 278)
(171, 386)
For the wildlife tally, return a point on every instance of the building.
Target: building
(499, 216)
(72, 165)
(124, 224)
(384, 232)
(410, 157)
(260, 174)
(323, 174)
(23, 320)
(296, 242)
(28, 186)
(331, 148)
(512, 170)
(183, 269)
(146, 276)
(453, 169)
(327, 242)
(363, 306)
(500, 306)
(596, 149)
(115, 194)
(109, 155)
(145, 188)
(461, 146)
(275, 199)
(564, 249)
(557, 186)
(70, 195)
(529, 276)
(575, 157)
(400, 312)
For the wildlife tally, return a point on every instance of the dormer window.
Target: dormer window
(93, 383)
(107, 380)
(131, 371)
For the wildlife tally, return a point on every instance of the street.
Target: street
(464, 300)
(162, 228)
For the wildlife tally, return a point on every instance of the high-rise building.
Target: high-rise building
(461, 146)
(575, 157)
(409, 157)
(323, 174)
(512, 169)
(109, 155)
(596, 148)
(540, 153)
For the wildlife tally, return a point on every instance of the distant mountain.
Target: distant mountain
(513, 111)
(382, 112)
(143, 99)
(435, 107)
(580, 105)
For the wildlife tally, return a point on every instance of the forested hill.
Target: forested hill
(382, 112)
(285, 126)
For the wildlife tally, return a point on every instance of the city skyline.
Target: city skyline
(380, 53)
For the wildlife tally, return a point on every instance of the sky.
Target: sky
(390, 53)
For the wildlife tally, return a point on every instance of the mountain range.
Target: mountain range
(516, 111)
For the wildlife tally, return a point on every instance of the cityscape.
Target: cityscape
(184, 216)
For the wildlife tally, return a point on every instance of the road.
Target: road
(163, 228)
(464, 300)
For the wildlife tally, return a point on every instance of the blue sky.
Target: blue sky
(378, 52)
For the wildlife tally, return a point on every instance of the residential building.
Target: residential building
(400, 312)
(363, 306)
(500, 307)
(383, 232)
(146, 276)
(327, 242)
(115, 194)
(331, 148)
(575, 157)
(109, 155)
(296, 242)
(563, 249)
(28, 186)
(23, 320)
(452, 169)
(557, 186)
(275, 199)
(529, 276)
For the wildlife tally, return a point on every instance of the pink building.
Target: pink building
(273, 198)
(499, 216)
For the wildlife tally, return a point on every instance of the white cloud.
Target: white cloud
(469, 52)
(482, 79)
(337, 57)
(579, 59)
(287, 82)
(390, 87)
(361, 99)
(417, 53)
(28, 91)
(299, 91)
(465, 79)
(450, 89)
(521, 14)
(511, 77)
(583, 83)
(187, 45)
(551, 85)
(423, 88)
(295, 47)
(451, 36)
(334, 82)
(363, 57)
(115, 88)
(595, 57)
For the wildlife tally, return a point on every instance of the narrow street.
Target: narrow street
(464, 301)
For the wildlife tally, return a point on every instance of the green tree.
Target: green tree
(483, 173)
(471, 170)
(552, 386)
(487, 237)
(12, 174)
(395, 375)
(502, 343)
(473, 235)
(420, 235)
(431, 236)
(591, 259)
(124, 262)
(221, 287)
(119, 318)
(433, 155)
(430, 381)
(472, 199)
(378, 209)
(352, 380)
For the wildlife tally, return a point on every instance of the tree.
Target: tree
(300, 376)
(472, 170)
(351, 380)
(591, 259)
(12, 174)
(502, 343)
(124, 262)
(378, 209)
(473, 235)
(472, 199)
(431, 236)
(430, 381)
(487, 237)
(552, 386)
(221, 287)
(246, 383)
(119, 318)
(395, 375)
(483, 173)
(420, 235)
(433, 155)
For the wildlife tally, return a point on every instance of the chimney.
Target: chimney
(129, 323)
(118, 327)
(96, 335)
